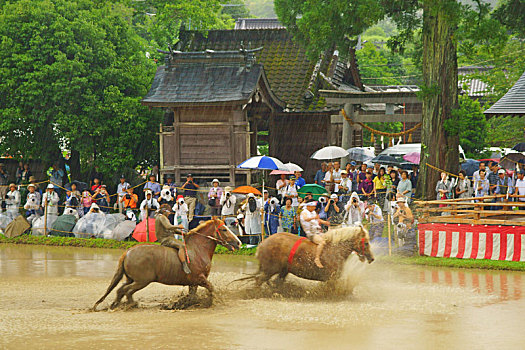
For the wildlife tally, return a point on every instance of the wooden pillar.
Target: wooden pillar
(348, 131)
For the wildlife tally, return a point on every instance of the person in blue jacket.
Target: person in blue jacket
(271, 216)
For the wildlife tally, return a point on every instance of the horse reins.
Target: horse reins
(362, 246)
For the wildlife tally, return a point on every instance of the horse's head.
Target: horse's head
(363, 246)
(224, 236)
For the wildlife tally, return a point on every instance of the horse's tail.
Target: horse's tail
(116, 279)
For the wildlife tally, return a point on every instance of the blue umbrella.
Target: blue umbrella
(470, 166)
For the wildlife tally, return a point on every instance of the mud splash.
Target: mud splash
(44, 295)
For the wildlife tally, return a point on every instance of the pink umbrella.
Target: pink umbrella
(281, 172)
(413, 157)
(140, 232)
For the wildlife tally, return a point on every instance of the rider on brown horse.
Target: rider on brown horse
(311, 224)
(164, 232)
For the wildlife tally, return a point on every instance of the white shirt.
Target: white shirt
(14, 202)
(336, 177)
(520, 189)
(346, 183)
(311, 227)
(290, 190)
(121, 188)
(181, 210)
(281, 191)
(228, 204)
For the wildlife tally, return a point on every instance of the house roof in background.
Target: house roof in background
(258, 23)
(475, 87)
(513, 102)
(204, 78)
(292, 76)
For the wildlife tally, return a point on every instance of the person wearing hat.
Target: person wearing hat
(180, 208)
(12, 199)
(50, 198)
(149, 204)
(311, 224)
(334, 210)
(190, 195)
(227, 202)
(164, 231)
(153, 186)
(166, 196)
(272, 210)
(252, 217)
(32, 205)
(169, 182)
(503, 187)
(4, 180)
(406, 228)
(292, 191)
(345, 187)
(374, 215)
(354, 213)
(101, 197)
(214, 196)
(121, 192)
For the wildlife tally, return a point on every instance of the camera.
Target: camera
(354, 200)
(367, 211)
(181, 201)
(273, 201)
(322, 199)
(127, 196)
(228, 194)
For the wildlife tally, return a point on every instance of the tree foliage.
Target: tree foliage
(73, 74)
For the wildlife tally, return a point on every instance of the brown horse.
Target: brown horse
(275, 255)
(148, 263)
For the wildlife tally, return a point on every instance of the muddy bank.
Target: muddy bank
(45, 293)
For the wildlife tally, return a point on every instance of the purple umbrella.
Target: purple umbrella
(413, 157)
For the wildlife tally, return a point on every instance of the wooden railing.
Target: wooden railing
(474, 211)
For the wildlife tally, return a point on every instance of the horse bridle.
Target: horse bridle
(221, 241)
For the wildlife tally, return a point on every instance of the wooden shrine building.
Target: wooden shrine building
(229, 91)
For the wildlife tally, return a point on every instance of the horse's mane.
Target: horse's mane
(341, 234)
(201, 226)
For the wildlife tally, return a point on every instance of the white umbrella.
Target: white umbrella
(293, 167)
(330, 152)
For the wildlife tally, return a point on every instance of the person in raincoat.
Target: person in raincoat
(252, 217)
(150, 204)
(227, 202)
(32, 206)
(272, 210)
(12, 200)
(50, 197)
(180, 208)
(354, 213)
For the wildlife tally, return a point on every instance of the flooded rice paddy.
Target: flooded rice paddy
(45, 294)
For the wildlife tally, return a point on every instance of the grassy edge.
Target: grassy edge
(456, 263)
(96, 243)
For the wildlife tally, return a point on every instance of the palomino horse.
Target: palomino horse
(284, 253)
(148, 263)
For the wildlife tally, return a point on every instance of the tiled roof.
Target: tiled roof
(200, 77)
(258, 23)
(475, 87)
(513, 103)
(289, 71)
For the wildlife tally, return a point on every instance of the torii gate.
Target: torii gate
(359, 107)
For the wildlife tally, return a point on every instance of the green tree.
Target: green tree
(235, 9)
(161, 20)
(73, 74)
(505, 131)
(469, 123)
(323, 25)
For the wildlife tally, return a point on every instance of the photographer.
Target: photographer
(12, 199)
(181, 213)
(272, 210)
(227, 202)
(32, 204)
(166, 197)
(51, 198)
(334, 210)
(354, 214)
(151, 204)
(129, 202)
(374, 215)
(190, 195)
(214, 196)
(121, 191)
(101, 197)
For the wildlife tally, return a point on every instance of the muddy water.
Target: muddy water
(45, 293)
